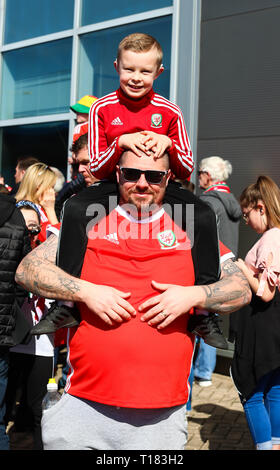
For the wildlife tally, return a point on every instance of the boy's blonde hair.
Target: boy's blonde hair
(140, 42)
(37, 179)
(267, 191)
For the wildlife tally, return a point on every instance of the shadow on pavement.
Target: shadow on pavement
(224, 429)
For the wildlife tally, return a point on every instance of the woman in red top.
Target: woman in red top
(37, 186)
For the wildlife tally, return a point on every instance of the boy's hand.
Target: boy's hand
(156, 143)
(134, 142)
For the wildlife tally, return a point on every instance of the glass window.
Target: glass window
(36, 80)
(48, 142)
(94, 12)
(97, 75)
(29, 18)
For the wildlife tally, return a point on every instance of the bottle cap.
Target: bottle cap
(52, 385)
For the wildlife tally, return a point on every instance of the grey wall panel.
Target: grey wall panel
(240, 76)
(239, 96)
(250, 157)
(219, 8)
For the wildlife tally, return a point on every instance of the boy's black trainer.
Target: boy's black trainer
(58, 316)
(207, 327)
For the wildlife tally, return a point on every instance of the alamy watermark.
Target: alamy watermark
(100, 226)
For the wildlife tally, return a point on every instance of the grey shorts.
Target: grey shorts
(78, 424)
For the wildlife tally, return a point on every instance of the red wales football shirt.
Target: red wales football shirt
(133, 364)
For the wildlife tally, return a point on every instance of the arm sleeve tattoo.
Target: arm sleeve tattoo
(38, 273)
(230, 293)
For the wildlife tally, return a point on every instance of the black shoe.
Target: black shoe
(206, 326)
(58, 316)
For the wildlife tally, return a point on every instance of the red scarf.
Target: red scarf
(218, 186)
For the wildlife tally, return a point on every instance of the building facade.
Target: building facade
(53, 53)
(221, 67)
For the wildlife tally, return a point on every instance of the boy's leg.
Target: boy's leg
(87, 207)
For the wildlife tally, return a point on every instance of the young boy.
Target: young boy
(135, 117)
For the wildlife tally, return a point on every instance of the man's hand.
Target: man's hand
(225, 296)
(172, 302)
(108, 303)
(156, 144)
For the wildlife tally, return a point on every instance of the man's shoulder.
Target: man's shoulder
(91, 194)
(178, 194)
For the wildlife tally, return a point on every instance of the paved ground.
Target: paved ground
(217, 420)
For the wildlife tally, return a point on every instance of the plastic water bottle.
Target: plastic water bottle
(52, 396)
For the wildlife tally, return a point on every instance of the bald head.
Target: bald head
(153, 164)
(142, 192)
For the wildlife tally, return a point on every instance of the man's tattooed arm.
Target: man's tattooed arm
(230, 293)
(38, 274)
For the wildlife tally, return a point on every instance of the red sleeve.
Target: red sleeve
(225, 252)
(43, 234)
(181, 157)
(103, 158)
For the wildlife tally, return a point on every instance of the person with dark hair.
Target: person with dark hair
(77, 182)
(22, 164)
(256, 362)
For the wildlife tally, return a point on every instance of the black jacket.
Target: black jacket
(14, 245)
(79, 216)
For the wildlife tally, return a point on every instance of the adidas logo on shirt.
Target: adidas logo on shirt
(112, 237)
(117, 122)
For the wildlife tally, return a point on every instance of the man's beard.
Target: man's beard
(142, 209)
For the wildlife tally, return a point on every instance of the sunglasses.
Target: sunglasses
(46, 167)
(34, 229)
(134, 174)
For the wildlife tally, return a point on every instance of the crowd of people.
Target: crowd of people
(107, 266)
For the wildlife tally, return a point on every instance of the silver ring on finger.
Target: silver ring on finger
(164, 314)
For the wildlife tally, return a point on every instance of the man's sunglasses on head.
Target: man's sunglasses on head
(134, 174)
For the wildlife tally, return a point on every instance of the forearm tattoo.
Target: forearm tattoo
(230, 293)
(38, 273)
